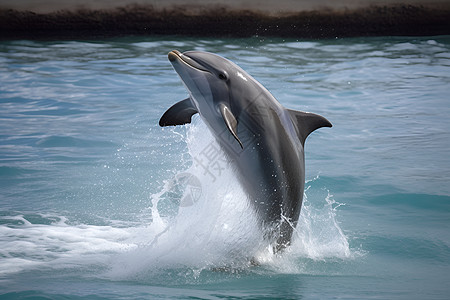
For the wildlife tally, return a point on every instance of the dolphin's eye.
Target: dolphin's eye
(223, 76)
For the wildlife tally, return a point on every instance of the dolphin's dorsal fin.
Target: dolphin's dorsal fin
(230, 121)
(307, 122)
(178, 114)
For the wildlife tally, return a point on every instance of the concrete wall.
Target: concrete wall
(73, 19)
(265, 6)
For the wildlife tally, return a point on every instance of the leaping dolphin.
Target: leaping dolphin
(261, 138)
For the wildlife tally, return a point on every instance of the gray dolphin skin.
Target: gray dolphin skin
(263, 140)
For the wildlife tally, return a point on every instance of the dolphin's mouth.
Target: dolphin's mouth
(176, 55)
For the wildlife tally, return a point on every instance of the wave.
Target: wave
(68, 141)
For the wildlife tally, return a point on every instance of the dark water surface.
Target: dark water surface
(90, 185)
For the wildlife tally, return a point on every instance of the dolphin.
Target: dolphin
(263, 140)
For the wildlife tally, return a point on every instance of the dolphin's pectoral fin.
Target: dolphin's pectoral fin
(230, 121)
(307, 123)
(178, 114)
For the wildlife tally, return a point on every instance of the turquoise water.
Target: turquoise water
(93, 192)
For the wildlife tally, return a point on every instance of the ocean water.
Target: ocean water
(98, 202)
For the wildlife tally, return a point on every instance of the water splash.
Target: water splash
(212, 225)
(318, 233)
(201, 221)
(214, 228)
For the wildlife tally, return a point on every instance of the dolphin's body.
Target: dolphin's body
(263, 140)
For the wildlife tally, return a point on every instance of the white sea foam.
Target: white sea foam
(25, 245)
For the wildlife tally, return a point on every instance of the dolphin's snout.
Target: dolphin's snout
(177, 56)
(173, 55)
